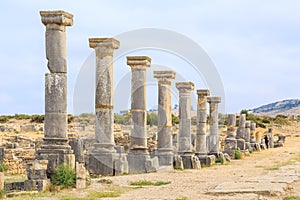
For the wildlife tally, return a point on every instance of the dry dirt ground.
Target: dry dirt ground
(196, 184)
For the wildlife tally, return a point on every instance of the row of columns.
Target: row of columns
(104, 154)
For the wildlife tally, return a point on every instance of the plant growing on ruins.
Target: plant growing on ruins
(237, 154)
(3, 167)
(64, 176)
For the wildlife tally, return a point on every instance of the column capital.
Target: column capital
(203, 92)
(59, 17)
(138, 62)
(110, 43)
(214, 99)
(185, 86)
(164, 76)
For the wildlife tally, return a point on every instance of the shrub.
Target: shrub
(237, 154)
(3, 167)
(37, 118)
(64, 176)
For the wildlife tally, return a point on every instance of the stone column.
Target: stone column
(164, 143)
(55, 148)
(138, 156)
(230, 141)
(184, 134)
(214, 137)
(253, 135)
(103, 156)
(201, 148)
(240, 133)
(271, 139)
(247, 135)
(104, 95)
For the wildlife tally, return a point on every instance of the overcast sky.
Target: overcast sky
(254, 44)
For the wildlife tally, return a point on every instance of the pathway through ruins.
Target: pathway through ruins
(257, 175)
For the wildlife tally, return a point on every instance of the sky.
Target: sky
(253, 44)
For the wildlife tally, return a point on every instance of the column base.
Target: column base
(140, 162)
(248, 146)
(165, 157)
(206, 160)
(241, 144)
(56, 158)
(102, 163)
(230, 146)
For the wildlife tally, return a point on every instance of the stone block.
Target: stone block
(248, 146)
(101, 163)
(39, 185)
(196, 164)
(187, 161)
(121, 165)
(56, 159)
(140, 162)
(77, 147)
(165, 158)
(241, 144)
(152, 165)
(178, 163)
(80, 176)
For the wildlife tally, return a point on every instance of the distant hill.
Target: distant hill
(285, 107)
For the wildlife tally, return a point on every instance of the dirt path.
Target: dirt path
(194, 184)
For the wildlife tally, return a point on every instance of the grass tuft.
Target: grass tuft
(148, 183)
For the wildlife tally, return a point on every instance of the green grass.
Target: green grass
(93, 195)
(64, 176)
(292, 198)
(148, 183)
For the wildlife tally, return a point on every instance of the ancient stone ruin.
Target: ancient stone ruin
(101, 155)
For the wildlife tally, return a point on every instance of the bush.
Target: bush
(3, 167)
(37, 118)
(64, 176)
(237, 154)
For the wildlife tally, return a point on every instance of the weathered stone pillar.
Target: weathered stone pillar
(55, 148)
(247, 135)
(214, 137)
(230, 141)
(164, 143)
(241, 129)
(253, 135)
(240, 135)
(104, 94)
(138, 158)
(101, 160)
(271, 139)
(184, 134)
(201, 148)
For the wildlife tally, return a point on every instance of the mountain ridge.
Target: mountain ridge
(285, 107)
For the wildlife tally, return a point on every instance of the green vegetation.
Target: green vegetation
(148, 183)
(122, 119)
(152, 119)
(3, 167)
(237, 154)
(265, 121)
(3, 194)
(32, 118)
(181, 198)
(175, 120)
(292, 198)
(219, 160)
(64, 176)
(94, 195)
